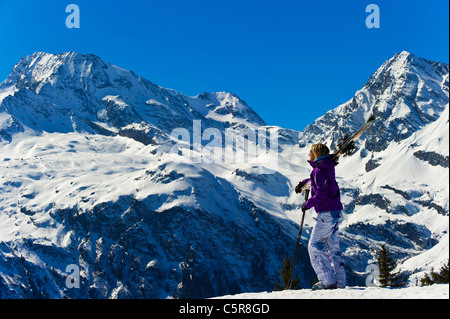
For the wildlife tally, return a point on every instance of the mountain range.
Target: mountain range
(132, 185)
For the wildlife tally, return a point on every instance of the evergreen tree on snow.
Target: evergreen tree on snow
(286, 274)
(437, 278)
(386, 266)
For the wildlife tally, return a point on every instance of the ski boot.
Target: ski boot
(319, 286)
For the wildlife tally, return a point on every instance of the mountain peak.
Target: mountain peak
(403, 56)
(44, 89)
(406, 93)
(401, 68)
(35, 70)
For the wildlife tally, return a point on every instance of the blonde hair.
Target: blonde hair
(320, 150)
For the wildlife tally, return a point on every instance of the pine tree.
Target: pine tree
(386, 266)
(285, 272)
(445, 273)
(426, 280)
(437, 278)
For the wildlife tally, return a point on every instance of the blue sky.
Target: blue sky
(290, 60)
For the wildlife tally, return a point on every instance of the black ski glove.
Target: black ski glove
(298, 188)
(304, 209)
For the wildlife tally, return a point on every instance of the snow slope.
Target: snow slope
(429, 292)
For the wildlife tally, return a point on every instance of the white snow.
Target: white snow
(440, 291)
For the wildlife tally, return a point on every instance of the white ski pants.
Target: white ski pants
(324, 250)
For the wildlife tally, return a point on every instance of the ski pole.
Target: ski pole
(297, 244)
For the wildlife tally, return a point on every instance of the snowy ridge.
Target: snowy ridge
(91, 176)
(70, 91)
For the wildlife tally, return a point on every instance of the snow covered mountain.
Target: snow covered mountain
(406, 93)
(96, 179)
(73, 92)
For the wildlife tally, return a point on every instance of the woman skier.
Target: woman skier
(323, 248)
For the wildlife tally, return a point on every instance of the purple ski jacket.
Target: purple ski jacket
(325, 194)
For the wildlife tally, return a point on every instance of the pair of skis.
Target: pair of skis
(346, 147)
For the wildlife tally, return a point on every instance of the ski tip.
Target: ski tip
(372, 118)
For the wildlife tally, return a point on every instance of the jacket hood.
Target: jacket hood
(322, 162)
